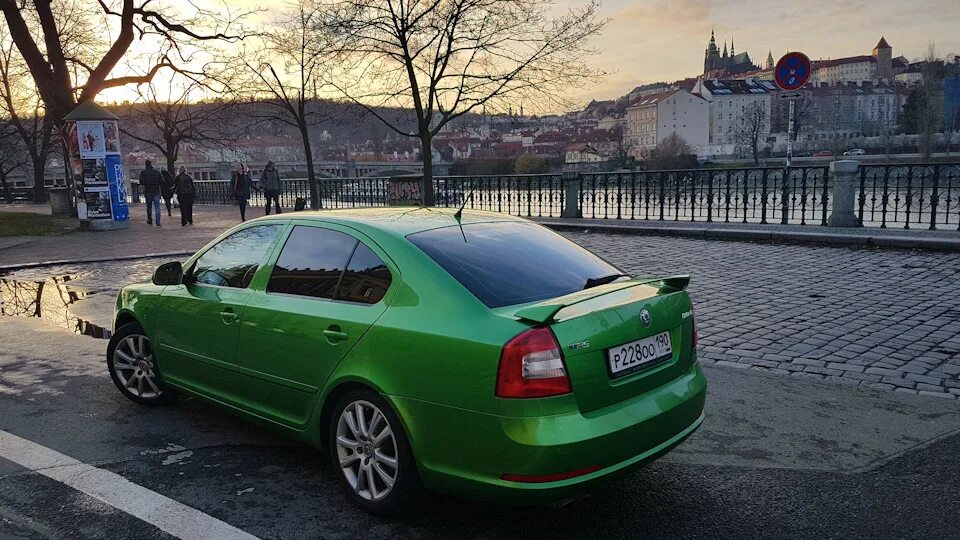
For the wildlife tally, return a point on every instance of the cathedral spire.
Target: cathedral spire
(732, 52)
(769, 59)
(724, 48)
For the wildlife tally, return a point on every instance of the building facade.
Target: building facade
(880, 65)
(729, 101)
(651, 119)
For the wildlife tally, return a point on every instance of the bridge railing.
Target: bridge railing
(910, 195)
(334, 192)
(901, 195)
(799, 195)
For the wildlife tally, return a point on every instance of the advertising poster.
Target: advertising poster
(98, 202)
(111, 137)
(118, 190)
(94, 172)
(91, 138)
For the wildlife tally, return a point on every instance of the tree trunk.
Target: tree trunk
(39, 189)
(426, 155)
(315, 202)
(6, 188)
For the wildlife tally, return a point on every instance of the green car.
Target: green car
(471, 353)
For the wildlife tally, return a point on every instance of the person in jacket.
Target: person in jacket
(240, 184)
(166, 189)
(150, 181)
(270, 183)
(186, 193)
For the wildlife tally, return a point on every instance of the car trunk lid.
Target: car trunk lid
(589, 323)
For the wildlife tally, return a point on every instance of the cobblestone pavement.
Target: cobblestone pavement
(886, 319)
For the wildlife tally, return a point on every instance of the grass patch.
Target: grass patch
(30, 224)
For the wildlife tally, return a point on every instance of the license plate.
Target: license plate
(633, 356)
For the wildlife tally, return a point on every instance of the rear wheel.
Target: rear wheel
(133, 366)
(371, 454)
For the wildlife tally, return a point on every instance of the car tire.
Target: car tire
(133, 367)
(357, 457)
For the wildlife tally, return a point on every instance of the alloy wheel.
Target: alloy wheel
(134, 366)
(367, 450)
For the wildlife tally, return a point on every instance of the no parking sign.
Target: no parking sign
(792, 71)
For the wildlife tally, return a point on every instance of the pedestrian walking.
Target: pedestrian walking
(166, 189)
(270, 183)
(240, 184)
(150, 182)
(186, 192)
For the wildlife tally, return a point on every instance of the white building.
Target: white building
(651, 119)
(729, 101)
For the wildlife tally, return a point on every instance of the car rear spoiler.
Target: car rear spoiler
(543, 312)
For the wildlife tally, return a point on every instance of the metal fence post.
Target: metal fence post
(844, 172)
(571, 195)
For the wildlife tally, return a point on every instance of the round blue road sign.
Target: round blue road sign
(792, 71)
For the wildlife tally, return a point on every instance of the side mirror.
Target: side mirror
(170, 273)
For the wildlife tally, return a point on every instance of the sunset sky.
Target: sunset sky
(663, 40)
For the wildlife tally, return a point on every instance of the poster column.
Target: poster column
(98, 174)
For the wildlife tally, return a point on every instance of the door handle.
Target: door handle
(334, 334)
(228, 316)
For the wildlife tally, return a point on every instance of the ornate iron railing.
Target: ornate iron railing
(528, 195)
(906, 195)
(757, 195)
(334, 192)
(901, 195)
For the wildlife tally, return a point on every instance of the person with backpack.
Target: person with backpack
(150, 181)
(270, 183)
(166, 189)
(186, 193)
(240, 185)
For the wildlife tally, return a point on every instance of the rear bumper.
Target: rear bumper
(466, 452)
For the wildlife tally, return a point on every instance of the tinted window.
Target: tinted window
(311, 262)
(233, 261)
(366, 279)
(511, 263)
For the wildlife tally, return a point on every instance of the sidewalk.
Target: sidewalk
(139, 240)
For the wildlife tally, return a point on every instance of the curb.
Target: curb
(796, 237)
(22, 266)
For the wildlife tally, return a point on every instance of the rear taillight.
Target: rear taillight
(531, 366)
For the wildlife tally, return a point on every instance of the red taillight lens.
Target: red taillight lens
(531, 366)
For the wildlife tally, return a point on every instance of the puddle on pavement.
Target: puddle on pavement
(50, 300)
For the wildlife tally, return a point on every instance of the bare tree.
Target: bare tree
(13, 156)
(673, 152)
(283, 75)
(751, 129)
(21, 104)
(167, 123)
(445, 58)
(64, 79)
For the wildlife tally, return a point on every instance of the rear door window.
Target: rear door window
(366, 279)
(509, 263)
(324, 263)
(311, 262)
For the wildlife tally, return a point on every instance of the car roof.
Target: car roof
(396, 220)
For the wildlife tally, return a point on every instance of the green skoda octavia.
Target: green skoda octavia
(470, 353)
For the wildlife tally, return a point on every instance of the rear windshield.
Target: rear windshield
(510, 263)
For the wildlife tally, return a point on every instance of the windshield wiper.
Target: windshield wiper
(602, 280)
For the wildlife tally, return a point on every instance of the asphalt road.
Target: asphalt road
(777, 457)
